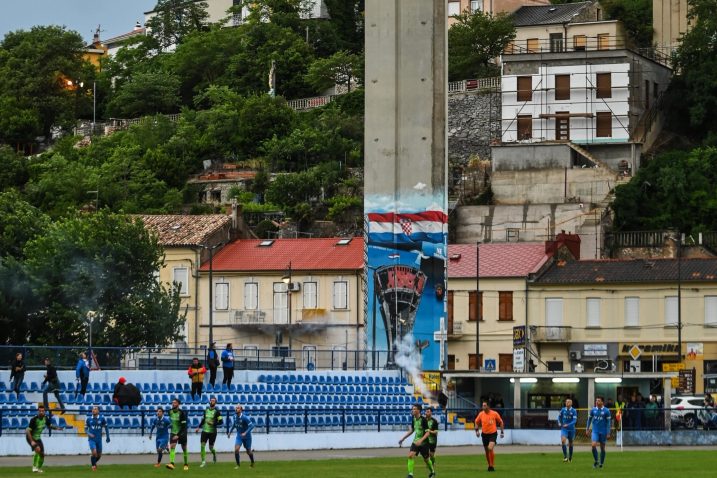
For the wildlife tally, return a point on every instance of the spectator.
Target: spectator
(17, 373)
(228, 365)
(82, 373)
(125, 394)
(212, 362)
(196, 374)
(51, 384)
(651, 413)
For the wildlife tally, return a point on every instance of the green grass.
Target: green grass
(534, 465)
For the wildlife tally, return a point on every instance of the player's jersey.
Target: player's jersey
(569, 417)
(419, 427)
(211, 420)
(162, 427)
(243, 424)
(489, 421)
(37, 425)
(599, 418)
(433, 426)
(94, 426)
(178, 418)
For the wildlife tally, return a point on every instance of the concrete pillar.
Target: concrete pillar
(591, 393)
(516, 404)
(668, 403)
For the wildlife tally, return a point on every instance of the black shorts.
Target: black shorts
(432, 447)
(208, 437)
(179, 439)
(420, 449)
(489, 437)
(38, 443)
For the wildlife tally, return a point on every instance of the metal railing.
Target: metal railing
(310, 103)
(635, 239)
(462, 86)
(577, 43)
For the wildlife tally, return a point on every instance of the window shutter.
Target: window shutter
(603, 84)
(711, 311)
(554, 312)
(562, 87)
(671, 311)
(593, 312)
(221, 296)
(632, 311)
(525, 88)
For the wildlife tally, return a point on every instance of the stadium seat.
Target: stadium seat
(171, 388)
(155, 388)
(105, 388)
(162, 387)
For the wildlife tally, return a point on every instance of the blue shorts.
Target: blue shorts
(599, 437)
(569, 434)
(162, 443)
(95, 444)
(246, 441)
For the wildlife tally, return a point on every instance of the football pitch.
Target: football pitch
(533, 465)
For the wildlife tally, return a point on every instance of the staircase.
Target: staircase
(587, 155)
(72, 420)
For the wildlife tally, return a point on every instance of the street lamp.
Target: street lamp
(286, 279)
(81, 84)
(91, 315)
(478, 317)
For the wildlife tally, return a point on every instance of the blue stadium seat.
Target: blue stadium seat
(105, 388)
(171, 388)
(162, 387)
(284, 379)
(265, 378)
(155, 388)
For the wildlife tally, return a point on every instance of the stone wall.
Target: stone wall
(473, 120)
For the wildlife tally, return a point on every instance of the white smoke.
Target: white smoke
(408, 357)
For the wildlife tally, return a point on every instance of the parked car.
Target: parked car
(690, 411)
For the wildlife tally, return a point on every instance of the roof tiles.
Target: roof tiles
(178, 230)
(496, 259)
(622, 271)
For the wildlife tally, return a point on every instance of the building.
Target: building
(186, 241)
(669, 21)
(218, 185)
(573, 94)
(113, 44)
(456, 7)
(300, 301)
(626, 315)
(502, 285)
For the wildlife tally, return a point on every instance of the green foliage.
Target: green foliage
(13, 172)
(344, 208)
(146, 94)
(636, 16)
(341, 68)
(347, 17)
(263, 228)
(175, 19)
(676, 190)
(19, 223)
(474, 41)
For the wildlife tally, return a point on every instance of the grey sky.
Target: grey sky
(114, 16)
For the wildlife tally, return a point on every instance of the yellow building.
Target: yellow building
(298, 301)
(624, 315)
(186, 241)
(669, 20)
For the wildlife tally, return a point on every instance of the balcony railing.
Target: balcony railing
(577, 43)
(457, 329)
(492, 83)
(550, 334)
(281, 316)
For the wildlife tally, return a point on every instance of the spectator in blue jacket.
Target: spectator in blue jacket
(82, 373)
(228, 364)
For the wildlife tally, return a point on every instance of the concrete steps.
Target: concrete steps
(587, 155)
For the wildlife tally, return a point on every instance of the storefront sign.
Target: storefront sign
(595, 350)
(519, 336)
(649, 349)
(673, 367)
(518, 360)
(695, 351)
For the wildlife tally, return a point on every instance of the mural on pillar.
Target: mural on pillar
(406, 248)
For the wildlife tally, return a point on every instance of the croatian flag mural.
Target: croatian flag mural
(406, 282)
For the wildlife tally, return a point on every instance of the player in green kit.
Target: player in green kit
(178, 434)
(210, 421)
(433, 436)
(419, 426)
(33, 435)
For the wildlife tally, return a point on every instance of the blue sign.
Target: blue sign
(489, 365)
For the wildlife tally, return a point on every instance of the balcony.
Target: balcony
(280, 317)
(575, 43)
(456, 330)
(550, 334)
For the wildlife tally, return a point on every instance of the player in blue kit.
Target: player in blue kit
(93, 427)
(599, 419)
(243, 425)
(162, 424)
(567, 419)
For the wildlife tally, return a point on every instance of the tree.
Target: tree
(146, 94)
(106, 263)
(173, 20)
(474, 41)
(636, 16)
(35, 67)
(347, 17)
(13, 173)
(342, 68)
(20, 222)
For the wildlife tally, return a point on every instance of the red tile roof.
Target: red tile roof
(179, 230)
(320, 254)
(496, 259)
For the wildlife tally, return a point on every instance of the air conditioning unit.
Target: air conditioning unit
(295, 286)
(575, 355)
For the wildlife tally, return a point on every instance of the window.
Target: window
(505, 363)
(632, 311)
(603, 41)
(647, 94)
(454, 9)
(472, 306)
(555, 365)
(525, 127)
(476, 6)
(341, 295)
(554, 312)
(310, 295)
(251, 296)
(671, 311)
(451, 362)
(603, 124)
(505, 305)
(711, 311)
(221, 296)
(655, 90)
(525, 88)
(556, 42)
(562, 87)
(512, 234)
(593, 312)
(533, 45)
(449, 307)
(180, 276)
(580, 42)
(603, 85)
(473, 363)
(281, 303)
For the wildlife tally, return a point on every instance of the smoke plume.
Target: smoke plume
(408, 357)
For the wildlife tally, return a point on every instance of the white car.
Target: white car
(688, 411)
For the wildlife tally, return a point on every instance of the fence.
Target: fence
(310, 103)
(492, 83)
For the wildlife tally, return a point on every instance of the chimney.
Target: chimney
(235, 214)
(570, 243)
(137, 26)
